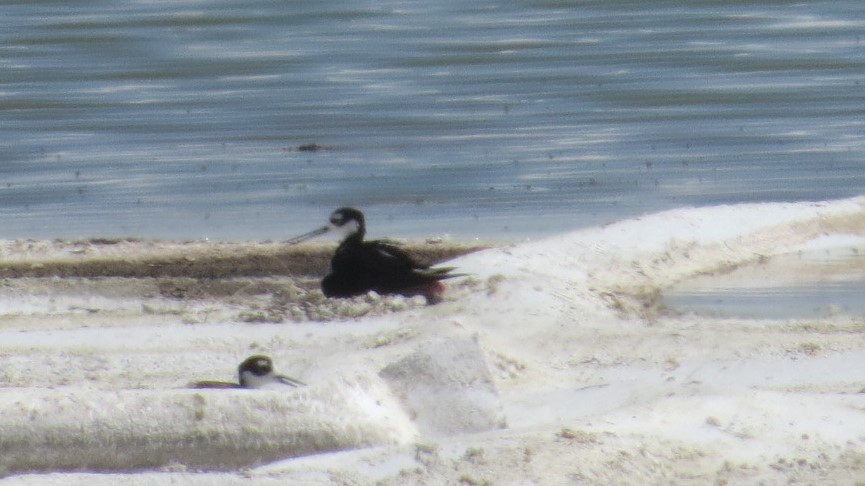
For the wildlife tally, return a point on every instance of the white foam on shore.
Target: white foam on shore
(595, 385)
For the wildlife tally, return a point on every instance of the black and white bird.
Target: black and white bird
(359, 266)
(256, 372)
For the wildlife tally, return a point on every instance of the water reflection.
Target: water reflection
(799, 286)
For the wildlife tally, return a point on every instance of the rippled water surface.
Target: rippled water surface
(482, 119)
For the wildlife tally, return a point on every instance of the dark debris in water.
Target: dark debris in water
(307, 147)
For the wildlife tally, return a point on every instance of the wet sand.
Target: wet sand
(264, 282)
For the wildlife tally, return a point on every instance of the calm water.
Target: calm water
(492, 119)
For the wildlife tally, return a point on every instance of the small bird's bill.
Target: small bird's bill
(289, 381)
(306, 236)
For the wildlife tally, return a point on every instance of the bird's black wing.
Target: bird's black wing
(397, 260)
(390, 255)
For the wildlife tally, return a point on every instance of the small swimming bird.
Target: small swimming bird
(256, 372)
(359, 266)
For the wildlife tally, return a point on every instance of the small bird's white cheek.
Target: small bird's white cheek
(349, 228)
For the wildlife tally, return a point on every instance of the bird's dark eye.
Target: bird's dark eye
(337, 219)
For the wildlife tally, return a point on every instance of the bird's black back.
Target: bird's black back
(360, 266)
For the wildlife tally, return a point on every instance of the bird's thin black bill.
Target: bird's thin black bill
(289, 381)
(306, 236)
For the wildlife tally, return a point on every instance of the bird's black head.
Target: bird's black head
(349, 220)
(258, 365)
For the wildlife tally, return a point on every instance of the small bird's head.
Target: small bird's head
(254, 369)
(348, 222)
(345, 221)
(257, 372)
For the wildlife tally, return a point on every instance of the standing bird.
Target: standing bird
(256, 372)
(359, 266)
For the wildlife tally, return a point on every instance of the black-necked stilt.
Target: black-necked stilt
(359, 266)
(256, 372)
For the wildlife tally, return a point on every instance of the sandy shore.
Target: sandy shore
(553, 363)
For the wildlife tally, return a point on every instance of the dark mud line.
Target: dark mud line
(312, 261)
